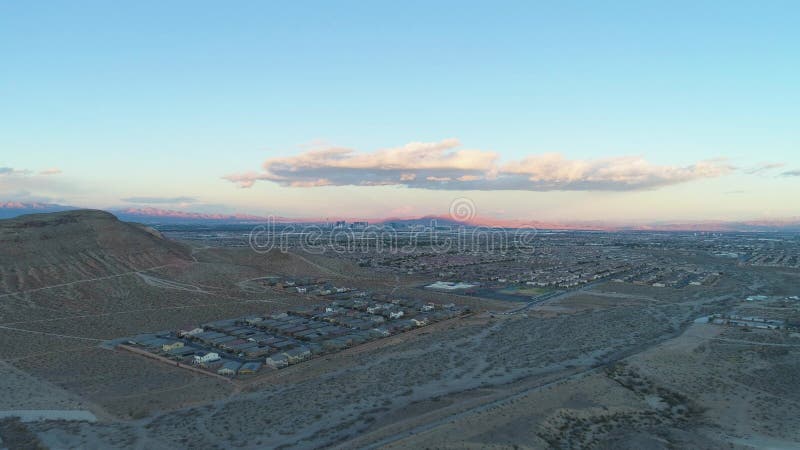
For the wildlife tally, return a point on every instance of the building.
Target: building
(257, 352)
(277, 361)
(374, 309)
(181, 352)
(250, 368)
(207, 358)
(171, 345)
(229, 368)
(189, 331)
(298, 354)
(421, 321)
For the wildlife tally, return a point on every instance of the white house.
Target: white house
(420, 321)
(188, 331)
(375, 308)
(277, 361)
(207, 358)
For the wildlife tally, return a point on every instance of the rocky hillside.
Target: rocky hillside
(41, 250)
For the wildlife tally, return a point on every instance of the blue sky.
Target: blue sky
(164, 99)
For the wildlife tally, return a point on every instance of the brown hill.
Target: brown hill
(39, 250)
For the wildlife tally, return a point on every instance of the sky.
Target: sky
(564, 110)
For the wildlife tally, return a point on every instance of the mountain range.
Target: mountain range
(156, 216)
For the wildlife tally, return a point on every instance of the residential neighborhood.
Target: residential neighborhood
(246, 345)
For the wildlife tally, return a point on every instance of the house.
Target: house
(282, 344)
(154, 343)
(250, 368)
(277, 361)
(427, 307)
(181, 352)
(229, 368)
(298, 354)
(222, 340)
(207, 358)
(243, 347)
(420, 321)
(382, 331)
(405, 325)
(395, 314)
(333, 344)
(189, 331)
(257, 352)
(232, 344)
(316, 348)
(171, 345)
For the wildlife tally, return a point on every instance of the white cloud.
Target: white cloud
(441, 165)
(764, 167)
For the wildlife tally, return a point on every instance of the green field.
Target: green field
(527, 291)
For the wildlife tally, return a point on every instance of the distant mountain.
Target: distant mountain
(426, 221)
(156, 216)
(167, 216)
(791, 225)
(10, 210)
(490, 222)
(14, 209)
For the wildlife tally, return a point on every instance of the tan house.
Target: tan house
(171, 346)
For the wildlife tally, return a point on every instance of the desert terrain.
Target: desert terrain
(604, 364)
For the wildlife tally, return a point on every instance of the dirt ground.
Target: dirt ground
(614, 366)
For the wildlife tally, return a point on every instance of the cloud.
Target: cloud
(442, 165)
(25, 172)
(29, 186)
(791, 173)
(7, 171)
(159, 200)
(23, 195)
(765, 167)
(554, 172)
